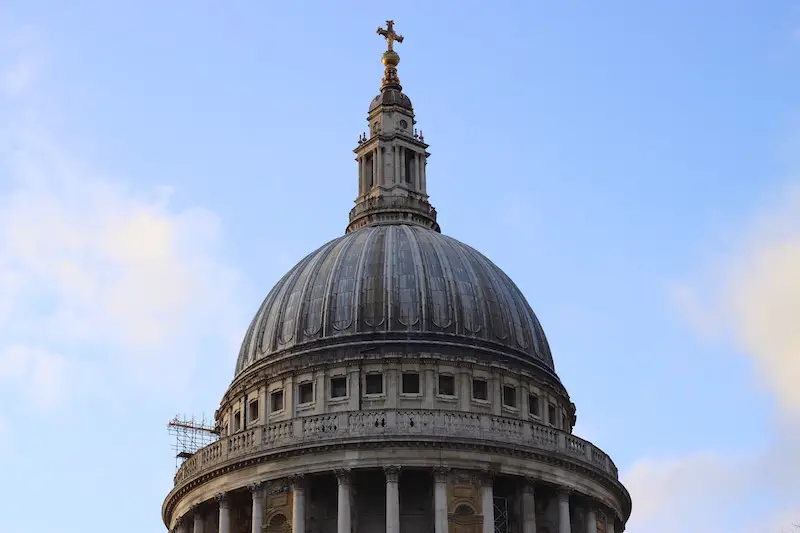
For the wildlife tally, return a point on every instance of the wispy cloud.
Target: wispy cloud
(93, 272)
(752, 301)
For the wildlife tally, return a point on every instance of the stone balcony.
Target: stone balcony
(387, 425)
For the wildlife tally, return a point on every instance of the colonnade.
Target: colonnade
(297, 485)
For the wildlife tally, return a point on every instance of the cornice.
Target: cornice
(554, 459)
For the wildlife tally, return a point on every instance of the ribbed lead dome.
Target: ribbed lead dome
(395, 279)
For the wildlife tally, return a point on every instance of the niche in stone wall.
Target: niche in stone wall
(463, 501)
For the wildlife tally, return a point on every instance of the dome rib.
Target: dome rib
(398, 278)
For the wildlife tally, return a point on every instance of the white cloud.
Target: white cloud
(94, 273)
(752, 299)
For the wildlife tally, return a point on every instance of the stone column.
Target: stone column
(392, 499)
(198, 520)
(224, 513)
(440, 500)
(591, 519)
(528, 507)
(343, 509)
(610, 522)
(374, 168)
(298, 504)
(362, 187)
(563, 512)
(487, 502)
(402, 171)
(181, 525)
(379, 164)
(417, 175)
(395, 164)
(256, 489)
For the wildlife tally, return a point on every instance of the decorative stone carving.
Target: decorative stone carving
(441, 474)
(464, 502)
(297, 482)
(343, 476)
(392, 473)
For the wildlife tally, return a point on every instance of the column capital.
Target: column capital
(529, 486)
(196, 510)
(392, 473)
(277, 486)
(255, 488)
(178, 521)
(440, 474)
(343, 476)
(297, 482)
(222, 499)
(486, 478)
(563, 493)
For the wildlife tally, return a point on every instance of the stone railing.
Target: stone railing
(397, 423)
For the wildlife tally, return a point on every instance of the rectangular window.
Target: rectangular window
(306, 392)
(237, 421)
(509, 396)
(447, 385)
(252, 413)
(551, 414)
(564, 425)
(374, 383)
(338, 387)
(411, 383)
(533, 405)
(480, 389)
(276, 401)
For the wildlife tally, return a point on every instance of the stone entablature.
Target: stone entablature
(393, 425)
(438, 499)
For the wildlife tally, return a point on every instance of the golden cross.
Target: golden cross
(390, 34)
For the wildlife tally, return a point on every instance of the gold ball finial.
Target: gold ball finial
(390, 58)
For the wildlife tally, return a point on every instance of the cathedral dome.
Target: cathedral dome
(397, 282)
(388, 97)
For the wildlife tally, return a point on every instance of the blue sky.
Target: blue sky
(633, 166)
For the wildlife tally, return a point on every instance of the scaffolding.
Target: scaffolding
(190, 434)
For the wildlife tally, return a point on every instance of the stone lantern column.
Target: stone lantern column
(343, 518)
(392, 499)
(487, 501)
(257, 492)
(591, 519)
(440, 500)
(198, 520)
(563, 512)
(224, 513)
(528, 507)
(298, 504)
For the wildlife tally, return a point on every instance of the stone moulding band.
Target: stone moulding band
(409, 424)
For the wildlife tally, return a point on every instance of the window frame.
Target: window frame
(331, 387)
(272, 395)
(514, 391)
(250, 417)
(373, 375)
(485, 383)
(403, 383)
(439, 392)
(300, 389)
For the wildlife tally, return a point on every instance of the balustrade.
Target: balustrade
(393, 422)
